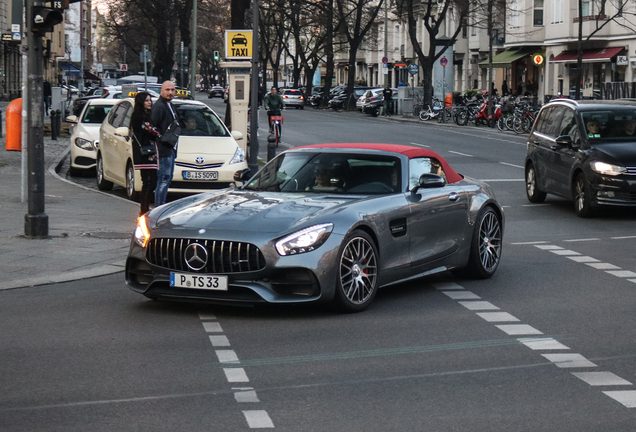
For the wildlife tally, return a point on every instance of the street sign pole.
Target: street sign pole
(253, 159)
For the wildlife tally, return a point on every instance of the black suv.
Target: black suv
(585, 151)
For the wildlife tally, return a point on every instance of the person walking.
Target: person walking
(387, 96)
(162, 116)
(144, 148)
(47, 96)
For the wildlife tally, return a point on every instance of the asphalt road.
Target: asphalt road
(547, 344)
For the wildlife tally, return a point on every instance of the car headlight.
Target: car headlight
(84, 144)
(239, 156)
(607, 169)
(304, 240)
(142, 235)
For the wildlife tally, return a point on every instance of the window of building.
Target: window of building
(514, 14)
(557, 11)
(586, 8)
(538, 13)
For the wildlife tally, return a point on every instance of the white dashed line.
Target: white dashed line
(236, 375)
(245, 395)
(258, 419)
(537, 344)
(518, 329)
(420, 145)
(626, 397)
(582, 240)
(529, 243)
(512, 165)
(569, 360)
(621, 273)
(583, 259)
(497, 316)
(227, 356)
(461, 295)
(219, 341)
(601, 378)
(461, 154)
(623, 237)
(564, 252)
(632, 280)
(603, 266)
(212, 327)
(548, 247)
(478, 305)
(447, 286)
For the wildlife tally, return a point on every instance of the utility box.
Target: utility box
(239, 74)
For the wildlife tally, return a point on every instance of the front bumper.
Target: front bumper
(614, 191)
(308, 277)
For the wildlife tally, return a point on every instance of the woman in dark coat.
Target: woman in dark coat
(144, 135)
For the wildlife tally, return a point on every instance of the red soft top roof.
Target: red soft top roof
(409, 151)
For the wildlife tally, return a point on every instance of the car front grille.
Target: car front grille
(630, 170)
(223, 256)
(199, 167)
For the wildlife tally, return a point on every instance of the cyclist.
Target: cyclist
(273, 103)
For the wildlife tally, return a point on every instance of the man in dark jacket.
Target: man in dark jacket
(387, 96)
(162, 116)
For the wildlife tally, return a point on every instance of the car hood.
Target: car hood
(87, 130)
(251, 211)
(206, 146)
(623, 153)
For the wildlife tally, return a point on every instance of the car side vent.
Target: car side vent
(222, 256)
(398, 227)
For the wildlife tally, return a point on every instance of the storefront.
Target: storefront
(598, 66)
(519, 69)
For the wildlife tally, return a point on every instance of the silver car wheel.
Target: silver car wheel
(130, 181)
(531, 182)
(490, 242)
(358, 270)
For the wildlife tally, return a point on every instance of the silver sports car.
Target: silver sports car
(329, 223)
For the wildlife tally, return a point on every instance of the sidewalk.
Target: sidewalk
(89, 232)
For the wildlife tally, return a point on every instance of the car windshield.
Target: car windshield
(332, 173)
(95, 113)
(197, 120)
(617, 124)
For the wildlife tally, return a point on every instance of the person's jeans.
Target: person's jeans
(386, 107)
(164, 177)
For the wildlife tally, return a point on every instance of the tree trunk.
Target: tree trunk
(329, 55)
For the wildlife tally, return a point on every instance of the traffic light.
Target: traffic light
(216, 56)
(44, 19)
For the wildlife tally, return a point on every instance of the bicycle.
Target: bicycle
(275, 127)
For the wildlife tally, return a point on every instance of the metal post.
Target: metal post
(36, 222)
(193, 51)
(253, 160)
(386, 37)
(80, 82)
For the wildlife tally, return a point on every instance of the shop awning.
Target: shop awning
(90, 76)
(601, 55)
(505, 59)
(69, 68)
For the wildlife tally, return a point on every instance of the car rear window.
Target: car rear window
(292, 92)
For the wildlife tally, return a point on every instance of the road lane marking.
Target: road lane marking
(420, 145)
(478, 305)
(582, 240)
(461, 154)
(212, 327)
(623, 237)
(258, 419)
(564, 252)
(583, 259)
(512, 165)
(626, 397)
(245, 395)
(497, 316)
(569, 360)
(529, 243)
(603, 266)
(601, 378)
(219, 341)
(537, 344)
(206, 316)
(518, 329)
(462, 295)
(227, 356)
(235, 375)
(548, 247)
(447, 286)
(621, 273)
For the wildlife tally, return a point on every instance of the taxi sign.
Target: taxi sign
(181, 93)
(238, 44)
(132, 94)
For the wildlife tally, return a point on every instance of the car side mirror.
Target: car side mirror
(564, 141)
(429, 180)
(71, 119)
(243, 175)
(122, 132)
(237, 135)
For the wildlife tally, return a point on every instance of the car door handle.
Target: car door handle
(453, 197)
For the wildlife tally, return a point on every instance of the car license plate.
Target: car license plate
(207, 282)
(200, 175)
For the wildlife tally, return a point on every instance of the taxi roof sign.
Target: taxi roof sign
(238, 44)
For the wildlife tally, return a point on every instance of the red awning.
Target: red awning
(589, 56)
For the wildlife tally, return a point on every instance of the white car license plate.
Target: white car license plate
(200, 175)
(207, 282)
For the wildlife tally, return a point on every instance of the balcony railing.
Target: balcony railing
(590, 18)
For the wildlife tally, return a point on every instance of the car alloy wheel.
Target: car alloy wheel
(485, 248)
(582, 205)
(532, 190)
(357, 274)
(102, 183)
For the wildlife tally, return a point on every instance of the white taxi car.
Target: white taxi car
(85, 137)
(207, 152)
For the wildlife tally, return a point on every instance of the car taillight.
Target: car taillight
(301, 98)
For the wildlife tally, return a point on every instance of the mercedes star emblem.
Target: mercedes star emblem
(199, 160)
(196, 256)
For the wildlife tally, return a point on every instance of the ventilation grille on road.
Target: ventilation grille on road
(223, 256)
